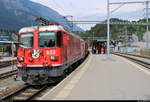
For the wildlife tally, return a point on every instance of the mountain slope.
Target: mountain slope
(15, 14)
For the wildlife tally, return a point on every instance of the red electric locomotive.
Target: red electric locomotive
(46, 52)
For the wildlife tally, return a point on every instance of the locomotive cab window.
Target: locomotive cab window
(47, 39)
(59, 38)
(26, 40)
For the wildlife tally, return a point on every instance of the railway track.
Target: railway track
(4, 64)
(147, 57)
(141, 62)
(25, 93)
(8, 74)
(7, 63)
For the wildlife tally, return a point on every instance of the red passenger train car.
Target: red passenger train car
(46, 52)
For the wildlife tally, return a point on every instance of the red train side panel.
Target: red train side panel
(46, 52)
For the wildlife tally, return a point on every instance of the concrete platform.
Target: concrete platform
(102, 78)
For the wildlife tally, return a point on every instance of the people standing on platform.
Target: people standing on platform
(98, 48)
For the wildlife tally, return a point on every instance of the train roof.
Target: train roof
(42, 28)
(27, 29)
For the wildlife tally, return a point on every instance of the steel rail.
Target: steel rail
(7, 63)
(8, 74)
(140, 62)
(26, 93)
(142, 56)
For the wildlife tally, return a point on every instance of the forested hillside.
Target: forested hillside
(100, 30)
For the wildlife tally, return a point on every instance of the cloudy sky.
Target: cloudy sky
(94, 9)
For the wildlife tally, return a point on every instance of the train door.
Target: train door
(65, 53)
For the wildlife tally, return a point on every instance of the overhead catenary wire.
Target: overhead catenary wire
(117, 8)
(58, 6)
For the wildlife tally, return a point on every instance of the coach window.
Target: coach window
(47, 39)
(59, 38)
(26, 40)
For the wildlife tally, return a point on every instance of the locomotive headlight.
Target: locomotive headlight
(54, 58)
(20, 59)
(35, 53)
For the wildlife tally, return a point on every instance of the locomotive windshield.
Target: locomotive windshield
(47, 39)
(26, 40)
